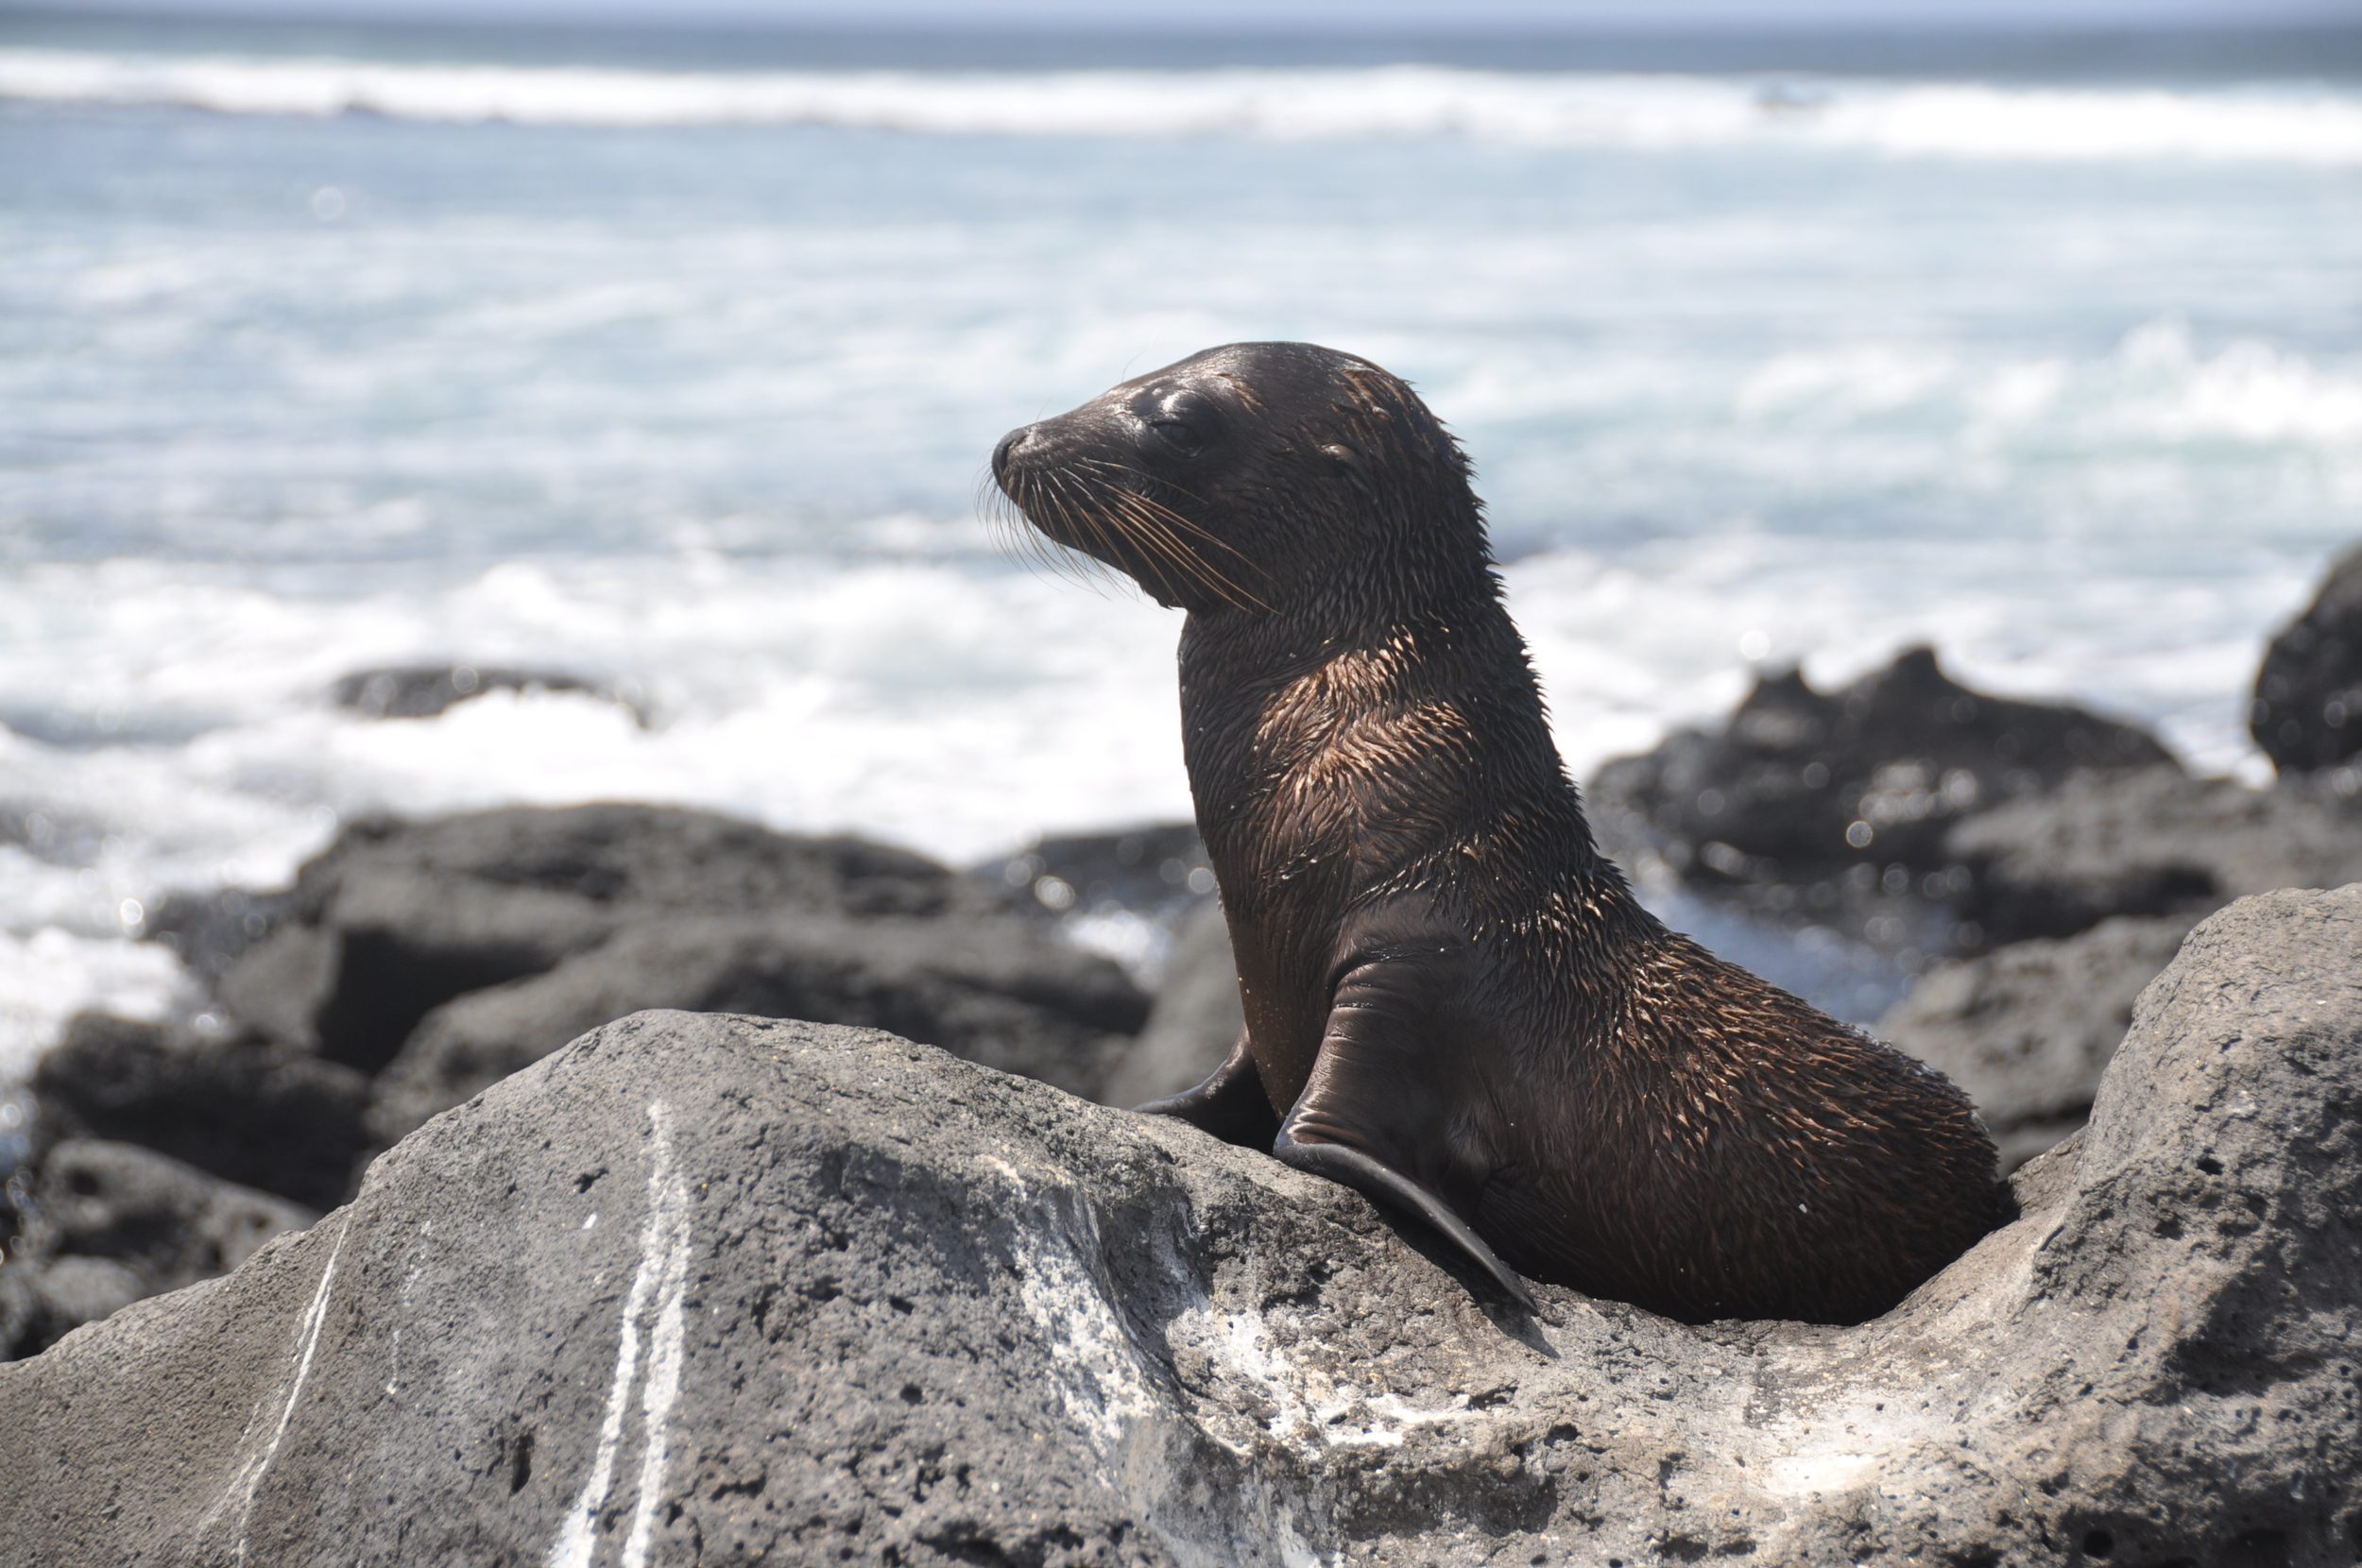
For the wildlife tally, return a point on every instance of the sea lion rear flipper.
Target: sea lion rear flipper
(1231, 1104)
(1368, 1118)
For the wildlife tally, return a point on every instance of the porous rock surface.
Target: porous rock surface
(996, 991)
(2151, 843)
(103, 1224)
(1802, 782)
(704, 1289)
(414, 963)
(2028, 1030)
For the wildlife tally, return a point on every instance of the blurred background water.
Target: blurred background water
(673, 360)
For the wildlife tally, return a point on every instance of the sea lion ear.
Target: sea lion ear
(1345, 463)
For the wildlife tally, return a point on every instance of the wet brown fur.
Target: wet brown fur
(1414, 892)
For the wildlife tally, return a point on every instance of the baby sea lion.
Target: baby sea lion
(1454, 1003)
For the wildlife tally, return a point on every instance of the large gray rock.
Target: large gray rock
(1197, 1017)
(396, 917)
(2028, 1030)
(2155, 843)
(711, 1290)
(170, 1223)
(107, 1223)
(2308, 712)
(995, 992)
(1800, 782)
(254, 1112)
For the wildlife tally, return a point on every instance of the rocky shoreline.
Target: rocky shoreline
(2036, 866)
(703, 1288)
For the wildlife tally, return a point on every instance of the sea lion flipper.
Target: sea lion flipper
(1373, 1116)
(1381, 1183)
(1230, 1104)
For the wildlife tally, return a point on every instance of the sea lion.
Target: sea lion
(1454, 1002)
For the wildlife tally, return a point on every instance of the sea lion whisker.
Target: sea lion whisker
(1076, 514)
(1153, 526)
(1140, 526)
(1184, 522)
(1237, 593)
(1189, 561)
(1040, 552)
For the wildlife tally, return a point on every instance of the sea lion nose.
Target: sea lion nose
(1010, 445)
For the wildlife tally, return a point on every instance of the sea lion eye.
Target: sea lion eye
(1182, 419)
(1179, 434)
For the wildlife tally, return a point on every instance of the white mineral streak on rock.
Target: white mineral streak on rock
(665, 1365)
(1309, 1406)
(1101, 1376)
(308, 1337)
(393, 1343)
(662, 1273)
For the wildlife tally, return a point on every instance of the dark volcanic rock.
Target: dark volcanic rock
(260, 1115)
(704, 1289)
(993, 992)
(170, 1223)
(396, 918)
(2308, 712)
(2156, 842)
(209, 932)
(1196, 1020)
(108, 1223)
(1146, 869)
(2027, 1030)
(67, 1293)
(425, 690)
(21, 1309)
(1802, 782)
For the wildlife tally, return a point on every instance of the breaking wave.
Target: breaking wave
(2290, 124)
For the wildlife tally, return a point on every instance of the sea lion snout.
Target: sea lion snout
(1010, 445)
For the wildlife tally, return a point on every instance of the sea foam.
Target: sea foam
(2314, 126)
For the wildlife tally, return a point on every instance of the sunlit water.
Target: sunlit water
(685, 378)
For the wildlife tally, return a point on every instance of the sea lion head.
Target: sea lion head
(1248, 477)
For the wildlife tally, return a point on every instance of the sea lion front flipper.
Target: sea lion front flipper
(1231, 1104)
(1369, 1119)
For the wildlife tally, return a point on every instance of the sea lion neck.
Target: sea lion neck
(1265, 698)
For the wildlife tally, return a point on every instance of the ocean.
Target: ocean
(675, 361)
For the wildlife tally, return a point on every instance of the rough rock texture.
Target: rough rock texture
(261, 1115)
(2028, 1030)
(106, 1224)
(1800, 783)
(1197, 1018)
(414, 963)
(993, 992)
(440, 956)
(170, 1223)
(396, 918)
(2155, 843)
(2308, 712)
(704, 1289)
(425, 690)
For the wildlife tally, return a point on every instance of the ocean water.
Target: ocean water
(679, 366)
